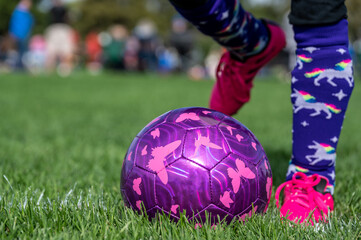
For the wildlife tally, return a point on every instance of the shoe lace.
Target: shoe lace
(302, 192)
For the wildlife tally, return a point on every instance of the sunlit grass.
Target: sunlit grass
(62, 142)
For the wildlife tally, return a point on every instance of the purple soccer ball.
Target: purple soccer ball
(196, 160)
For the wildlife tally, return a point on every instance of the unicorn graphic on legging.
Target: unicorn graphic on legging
(324, 152)
(292, 168)
(302, 59)
(342, 70)
(304, 100)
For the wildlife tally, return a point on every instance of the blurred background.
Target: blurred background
(63, 36)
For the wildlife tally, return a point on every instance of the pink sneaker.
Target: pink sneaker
(305, 199)
(234, 78)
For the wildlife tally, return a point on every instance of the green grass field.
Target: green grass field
(62, 143)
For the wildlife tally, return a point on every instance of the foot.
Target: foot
(234, 78)
(305, 199)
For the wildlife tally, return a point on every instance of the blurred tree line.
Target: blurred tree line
(6, 9)
(100, 14)
(95, 14)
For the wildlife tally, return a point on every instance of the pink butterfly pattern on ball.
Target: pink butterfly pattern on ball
(239, 137)
(138, 204)
(187, 116)
(254, 145)
(206, 142)
(226, 199)
(230, 129)
(144, 151)
(159, 156)
(236, 174)
(130, 156)
(174, 208)
(136, 185)
(155, 133)
(269, 187)
(206, 112)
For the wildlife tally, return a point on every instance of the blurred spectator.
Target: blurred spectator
(35, 58)
(182, 39)
(21, 24)
(8, 54)
(58, 13)
(93, 52)
(197, 72)
(3, 49)
(131, 56)
(212, 60)
(114, 47)
(60, 40)
(168, 59)
(147, 34)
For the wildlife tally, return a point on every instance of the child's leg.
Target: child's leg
(227, 23)
(251, 44)
(322, 83)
